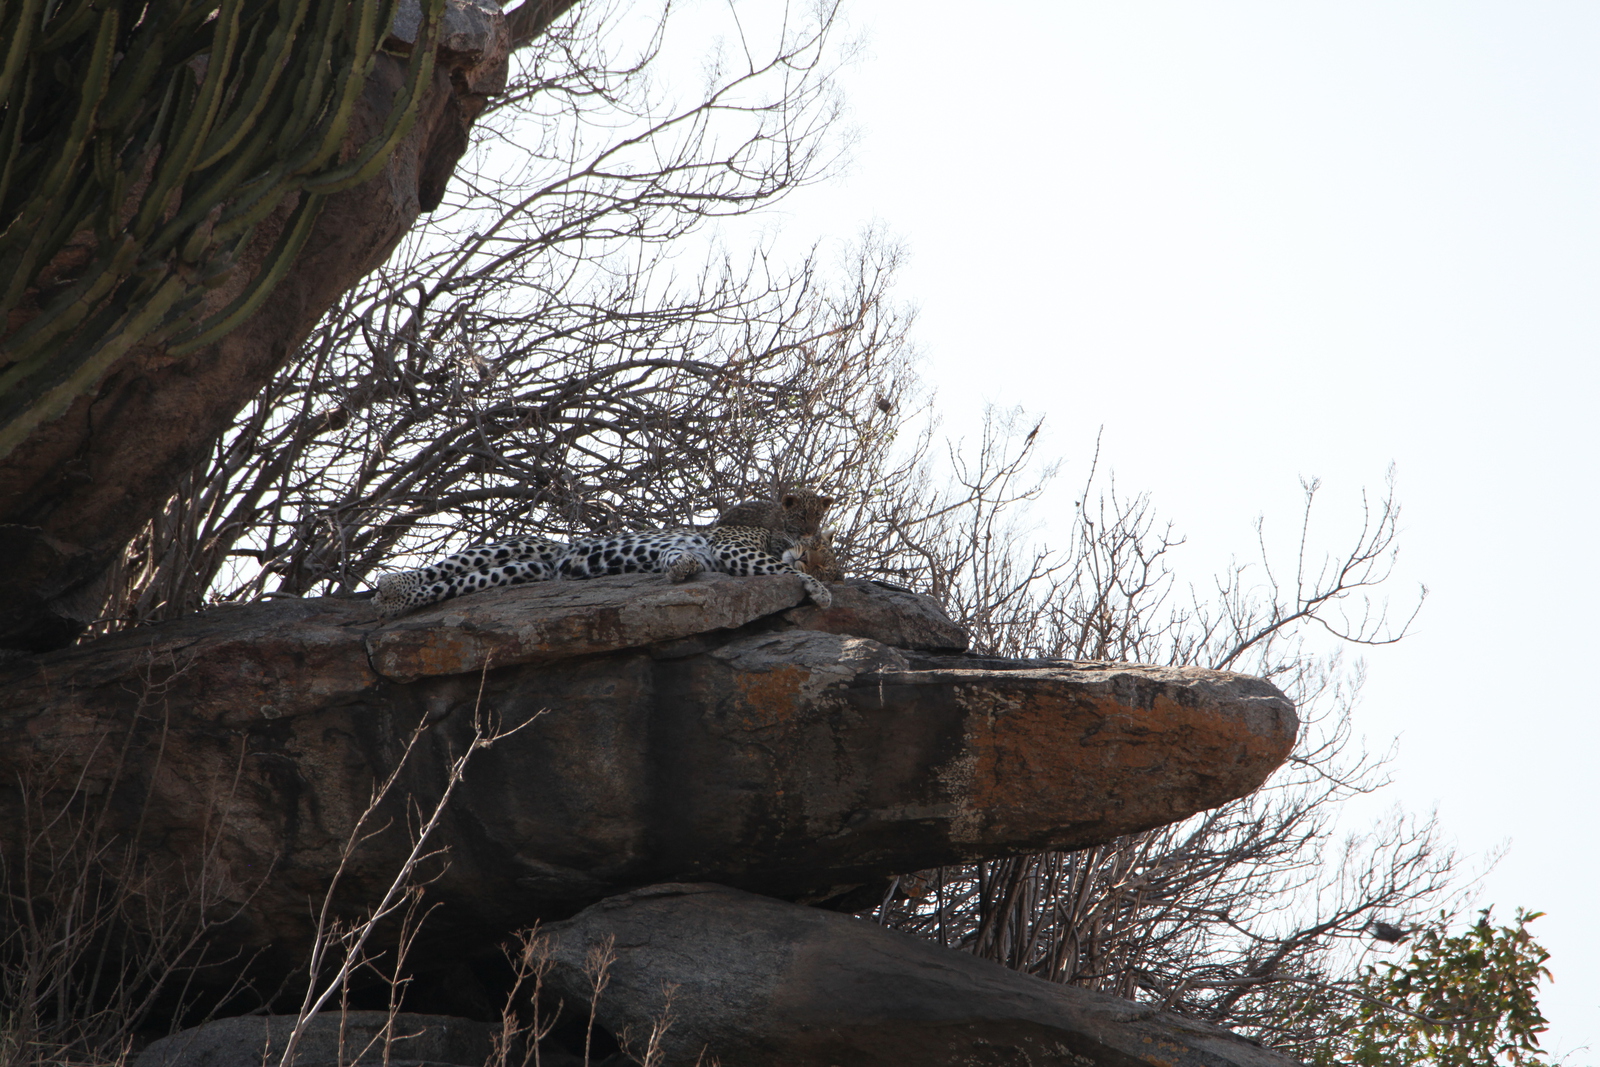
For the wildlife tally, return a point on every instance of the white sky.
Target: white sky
(1261, 240)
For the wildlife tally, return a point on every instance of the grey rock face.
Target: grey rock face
(895, 617)
(355, 1039)
(472, 38)
(758, 982)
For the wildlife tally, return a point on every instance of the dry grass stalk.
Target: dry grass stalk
(94, 934)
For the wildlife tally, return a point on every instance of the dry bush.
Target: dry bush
(96, 937)
(533, 360)
(529, 1017)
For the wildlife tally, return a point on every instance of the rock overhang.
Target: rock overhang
(715, 731)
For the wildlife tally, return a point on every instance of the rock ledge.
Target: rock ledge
(716, 731)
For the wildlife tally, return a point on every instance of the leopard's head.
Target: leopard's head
(814, 555)
(395, 591)
(800, 512)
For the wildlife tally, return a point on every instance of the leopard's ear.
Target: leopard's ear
(790, 500)
(826, 501)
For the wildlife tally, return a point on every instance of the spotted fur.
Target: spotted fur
(788, 520)
(658, 552)
(745, 551)
(814, 554)
(480, 567)
(680, 554)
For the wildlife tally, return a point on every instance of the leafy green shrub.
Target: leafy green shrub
(1466, 1001)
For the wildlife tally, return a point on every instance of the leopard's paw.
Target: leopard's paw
(684, 567)
(819, 594)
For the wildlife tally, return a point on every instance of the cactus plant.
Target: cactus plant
(142, 144)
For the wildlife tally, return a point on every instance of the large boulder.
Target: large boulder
(757, 982)
(652, 733)
(333, 1039)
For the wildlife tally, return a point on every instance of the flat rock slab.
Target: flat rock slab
(896, 617)
(544, 621)
(233, 664)
(819, 756)
(757, 982)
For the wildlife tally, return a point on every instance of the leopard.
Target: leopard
(794, 530)
(814, 554)
(787, 520)
(746, 551)
(652, 551)
(729, 548)
(680, 554)
(508, 562)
